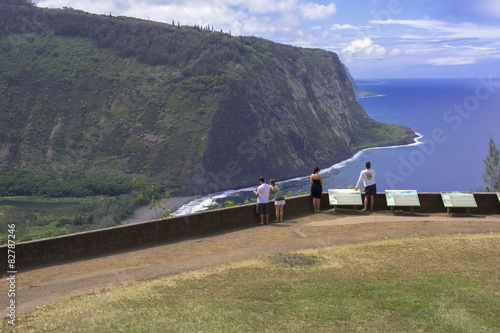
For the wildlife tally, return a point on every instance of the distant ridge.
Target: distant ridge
(357, 91)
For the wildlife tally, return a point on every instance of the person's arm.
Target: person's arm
(359, 181)
(311, 179)
(321, 179)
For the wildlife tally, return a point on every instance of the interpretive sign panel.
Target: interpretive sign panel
(459, 199)
(402, 198)
(344, 197)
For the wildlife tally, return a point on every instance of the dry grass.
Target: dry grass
(427, 284)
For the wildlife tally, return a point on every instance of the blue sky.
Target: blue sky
(374, 38)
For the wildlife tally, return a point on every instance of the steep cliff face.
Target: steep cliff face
(203, 110)
(280, 121)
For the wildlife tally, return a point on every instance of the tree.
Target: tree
(491, 174)
(158, 205)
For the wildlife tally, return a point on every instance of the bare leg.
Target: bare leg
(372, 198)
(281, 212)
(316, 203)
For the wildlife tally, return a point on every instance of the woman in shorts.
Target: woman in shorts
(279, 200)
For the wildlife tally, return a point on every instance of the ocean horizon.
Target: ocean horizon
(454, 119)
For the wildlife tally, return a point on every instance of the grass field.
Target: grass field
(427, 284)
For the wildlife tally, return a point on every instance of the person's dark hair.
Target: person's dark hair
(261, 179)
(368, 165)
(316, 169)
(272, 182)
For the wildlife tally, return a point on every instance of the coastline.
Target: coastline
(199, 202)
(143, 213)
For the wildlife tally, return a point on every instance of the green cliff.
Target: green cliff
(207, 111)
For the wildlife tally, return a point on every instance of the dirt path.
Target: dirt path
(49, 284)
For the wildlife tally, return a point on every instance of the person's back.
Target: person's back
(368, 176)
(263, 191)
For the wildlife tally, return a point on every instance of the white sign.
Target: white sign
(459, 199)
(344, 197)
(404, 198)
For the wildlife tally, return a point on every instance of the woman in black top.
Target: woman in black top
(316, 181)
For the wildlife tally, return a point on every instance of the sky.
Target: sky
(373, 38)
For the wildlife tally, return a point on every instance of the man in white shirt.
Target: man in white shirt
(368, 178)
(262, 193)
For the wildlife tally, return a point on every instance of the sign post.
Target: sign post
(402, 198)
(458, 199)
(345, 198)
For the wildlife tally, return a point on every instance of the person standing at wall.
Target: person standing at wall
(279, 200)
(316, 181)
(262, 193)
(368, 178)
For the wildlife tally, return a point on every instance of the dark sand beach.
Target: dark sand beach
(144, 213)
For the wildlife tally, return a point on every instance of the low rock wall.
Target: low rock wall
(127, 237)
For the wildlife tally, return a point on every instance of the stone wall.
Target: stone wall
(128, 237)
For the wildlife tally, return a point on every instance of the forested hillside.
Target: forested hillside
(90, 96)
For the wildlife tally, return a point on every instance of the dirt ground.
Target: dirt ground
(49, 284)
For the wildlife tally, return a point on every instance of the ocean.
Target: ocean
(454, 119)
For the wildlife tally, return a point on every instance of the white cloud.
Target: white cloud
(421, 24)
(264, 17)
(400, 39)
(464, 30)
(396, 51)
(451, 61)
(314, 11)
(254, 6)
(489, 8)
(411, 36)
(468, 30)
(342, 26)
(364, 48)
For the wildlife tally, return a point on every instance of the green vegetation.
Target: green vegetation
(109, 113)
(85, 93)
(491, 176)
(60, 185)
(158, 205)
(91, 101)
(46, 205)
(434, 284)
(37, 218)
